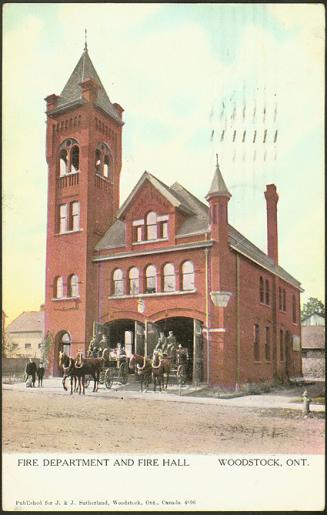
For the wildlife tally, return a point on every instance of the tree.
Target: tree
(312, 305)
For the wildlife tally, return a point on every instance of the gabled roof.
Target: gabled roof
(165, 191)
(313, 337)
(196, 222)
(28, 321)
(71, 94)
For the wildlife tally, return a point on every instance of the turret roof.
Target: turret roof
(71, 94)
(218, 186)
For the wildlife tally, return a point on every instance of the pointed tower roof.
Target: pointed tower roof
(218, 187)
(72, 93)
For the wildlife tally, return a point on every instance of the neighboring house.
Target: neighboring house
(313, 346)
(162, 261)
(313, 319)
(25, 335)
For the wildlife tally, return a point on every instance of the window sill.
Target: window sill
(56, 299)
(146, 295)
(265, 305)
(106, 179)
(68, 232)
(149, 241)
(68, 174)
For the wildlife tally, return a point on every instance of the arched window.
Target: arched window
(68, 157)
(118, 282)
(134, 281)
(151, 226)
(102, 160)
(73, 288)
(75, 159)
(169, 277)
(58, 288)
(188, 275)
(63, 162)
(106, 166)
(151, 279)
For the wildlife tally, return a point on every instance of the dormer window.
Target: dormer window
(153, 227)
(103, 160)
(68, 157)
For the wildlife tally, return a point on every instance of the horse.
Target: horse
(91, 366)
(166, 366)
(40, 375)
(143, 369)
(157, 371)
(68, 368)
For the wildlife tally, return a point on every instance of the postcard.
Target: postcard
(163, 312)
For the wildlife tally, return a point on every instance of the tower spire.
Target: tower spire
(85, 44)
(218, 187)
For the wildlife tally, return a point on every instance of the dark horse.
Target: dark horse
(143, 369)
(40, 374)
(157, 371)
(166, 366)
(91, 366)
(76, 375)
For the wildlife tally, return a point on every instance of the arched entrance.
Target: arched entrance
(63, 342)
(188, 333)
(123, 331)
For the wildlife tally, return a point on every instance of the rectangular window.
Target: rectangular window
(267, 292)
(75, 216)
(281, 345)
(138, 233)
(280, 298)
(28, 345)
(63, 218)
(284, 300)
(256, 342)
(293, 309)
(164, 230)
(267, 344)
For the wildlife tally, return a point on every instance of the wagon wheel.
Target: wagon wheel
(181, 374)
(123, 373)
(87, 380)
(108, 379)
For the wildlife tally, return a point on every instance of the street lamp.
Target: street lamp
(220, 298)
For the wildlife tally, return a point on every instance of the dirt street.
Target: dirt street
(48, 422)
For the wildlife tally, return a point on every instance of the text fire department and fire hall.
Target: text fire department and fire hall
(162, 261)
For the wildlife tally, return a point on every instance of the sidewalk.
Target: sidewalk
(189, 394)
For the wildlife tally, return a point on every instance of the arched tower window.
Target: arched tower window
(63, 162)
(106, 166)
(118, 282)
(75, 159)
(151, 226)
(134, 281)
(169, 277)
(150, 279)
(73, 288)
(58, 288)
(68, 157)
(102, 160)
(188, 275)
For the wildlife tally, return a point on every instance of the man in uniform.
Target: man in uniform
(171, 343)
(30, 370)
(162, 342)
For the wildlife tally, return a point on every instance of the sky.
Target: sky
(194, 80)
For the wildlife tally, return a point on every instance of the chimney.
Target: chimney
(272, 228)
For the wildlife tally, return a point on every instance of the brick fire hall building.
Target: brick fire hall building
(163, 260)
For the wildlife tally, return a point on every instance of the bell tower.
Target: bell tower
(84, 155)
